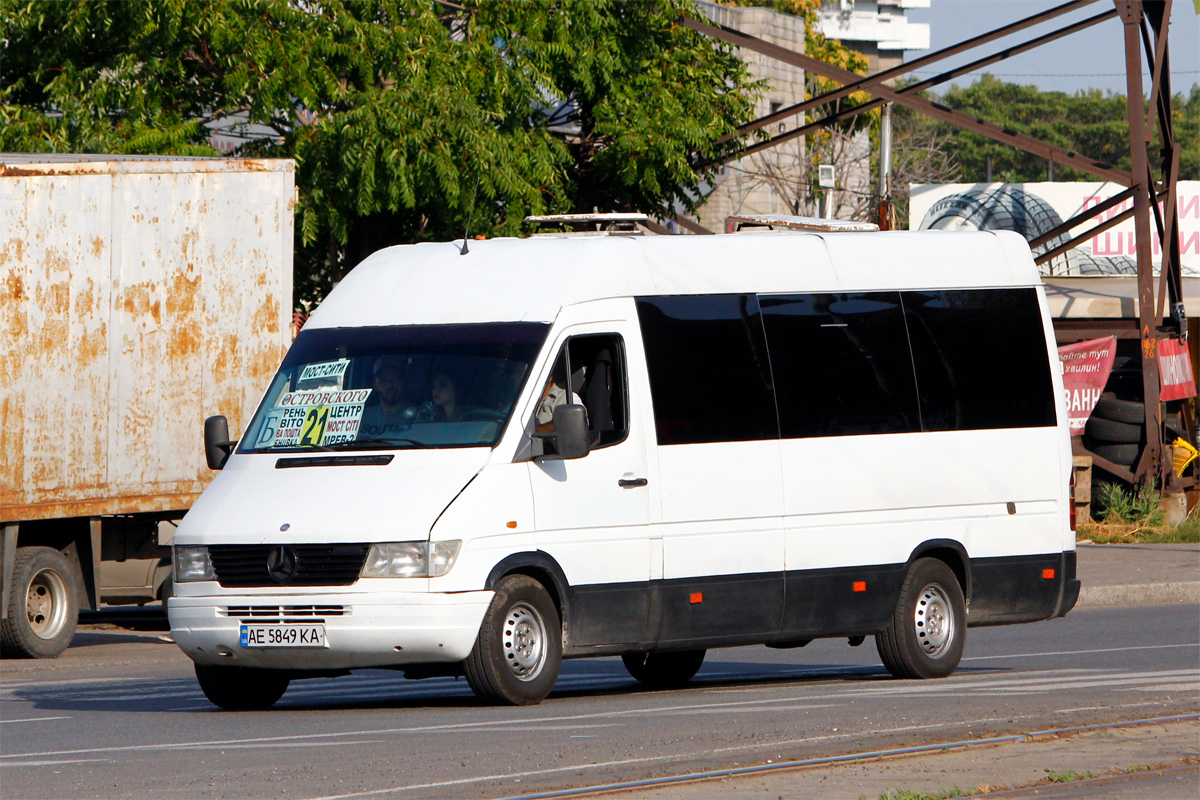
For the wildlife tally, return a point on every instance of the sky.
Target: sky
(1093, 58)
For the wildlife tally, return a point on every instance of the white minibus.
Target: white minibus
(480, 461)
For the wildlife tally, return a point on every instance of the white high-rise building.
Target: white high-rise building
(876, 28)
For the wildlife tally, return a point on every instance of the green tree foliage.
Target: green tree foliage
(1186, 122)
(407, 118)
(1091, 123)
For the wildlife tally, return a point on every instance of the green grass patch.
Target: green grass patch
(942, 794)
(1135, 517)
(1139, 508)
(1130, 533)
(1067, 776)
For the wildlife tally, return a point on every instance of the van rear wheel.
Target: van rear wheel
(664, 670)
(929, 626)
(518, 652)
(241, 688)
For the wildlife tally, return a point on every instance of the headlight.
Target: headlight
(193, 564)
(410, 559)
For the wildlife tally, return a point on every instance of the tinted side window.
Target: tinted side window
(710, 378)
(841, 364)
(980, 357)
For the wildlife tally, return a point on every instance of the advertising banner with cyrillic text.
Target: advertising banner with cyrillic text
(1086, 367)
(1175, 370)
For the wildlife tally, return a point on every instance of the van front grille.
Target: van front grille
(251, 613)
(287, 565)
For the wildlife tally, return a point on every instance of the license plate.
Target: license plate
(283, 636)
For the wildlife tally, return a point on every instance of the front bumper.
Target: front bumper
(361, 629)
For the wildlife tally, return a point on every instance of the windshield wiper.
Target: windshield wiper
(367, 444)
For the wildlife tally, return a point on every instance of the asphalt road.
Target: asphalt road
(121, 716)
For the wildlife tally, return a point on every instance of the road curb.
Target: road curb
(1139, 594)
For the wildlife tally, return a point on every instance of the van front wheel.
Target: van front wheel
(242, 688)
(517, 654)
(929, 626)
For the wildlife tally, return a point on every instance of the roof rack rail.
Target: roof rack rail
(592, 224)
(735, 222)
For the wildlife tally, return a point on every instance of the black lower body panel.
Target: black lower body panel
(782, 607)
(1022, 588)
(846, 601)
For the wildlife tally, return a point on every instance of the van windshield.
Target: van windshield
(395, 387)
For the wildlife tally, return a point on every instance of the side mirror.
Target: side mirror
(571, 436)
(217, 445)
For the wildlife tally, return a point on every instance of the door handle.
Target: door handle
(630, 483)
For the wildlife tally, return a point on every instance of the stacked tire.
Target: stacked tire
(1116, 430)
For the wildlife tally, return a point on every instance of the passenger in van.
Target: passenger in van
(390, 415)
(443, 405)
(552, 396)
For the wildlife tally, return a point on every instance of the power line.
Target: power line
(930, 73)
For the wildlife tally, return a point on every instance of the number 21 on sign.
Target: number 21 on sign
(314, 426)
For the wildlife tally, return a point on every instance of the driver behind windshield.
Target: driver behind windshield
(391, 415)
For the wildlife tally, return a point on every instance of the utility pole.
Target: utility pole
(885, 168)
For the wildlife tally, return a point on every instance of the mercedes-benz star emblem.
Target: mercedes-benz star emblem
(282, 564)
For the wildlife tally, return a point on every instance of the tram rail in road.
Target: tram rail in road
(785, 766)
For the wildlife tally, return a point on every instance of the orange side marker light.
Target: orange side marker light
(860, 586)
(512, 523)
(697, 597)
(1047, 574)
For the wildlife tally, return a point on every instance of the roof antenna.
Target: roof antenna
(470, 213)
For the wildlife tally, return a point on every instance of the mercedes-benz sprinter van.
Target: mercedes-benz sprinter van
(482, 461)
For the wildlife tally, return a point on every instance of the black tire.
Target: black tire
(166, 592)
(242, 688)
(664, 670)
(1129, 411)
(1171, 433)
(43, 605)
(929, 626)
(1106, 430)
(518, 652)
(1125, 455)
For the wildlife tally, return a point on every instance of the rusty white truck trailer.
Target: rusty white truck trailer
(136, 294)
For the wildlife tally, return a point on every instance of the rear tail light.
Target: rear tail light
(1072, 495)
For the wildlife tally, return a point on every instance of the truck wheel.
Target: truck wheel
(166, 592)
(929, 626)
(664, 670)
(43, 605)
(242, 688)
(516, 657)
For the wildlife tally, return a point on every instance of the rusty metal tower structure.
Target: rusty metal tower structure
(1150, 183)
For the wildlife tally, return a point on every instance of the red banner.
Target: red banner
(1175, 370)
(1086, 366)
